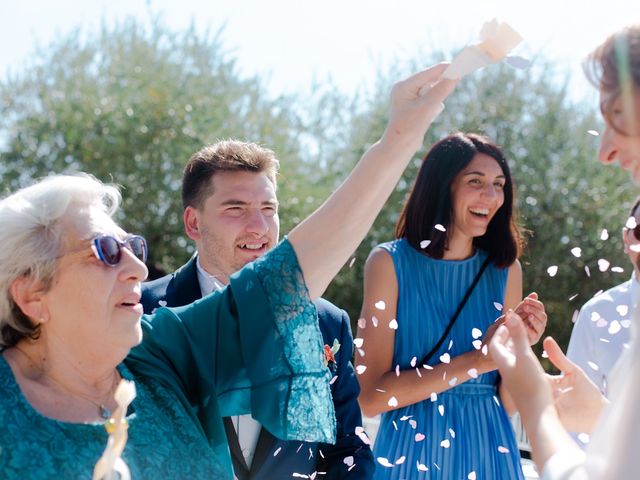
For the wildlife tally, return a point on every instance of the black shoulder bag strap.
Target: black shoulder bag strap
(463, 302)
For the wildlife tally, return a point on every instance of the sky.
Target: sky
(292, 43)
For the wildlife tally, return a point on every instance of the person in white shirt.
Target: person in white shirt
(602, 329)
(549, 406)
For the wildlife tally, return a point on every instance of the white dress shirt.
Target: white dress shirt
(612, 453)
(247, 429)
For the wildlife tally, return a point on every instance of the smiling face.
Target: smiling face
(237, 223)
(620, 140)
(91, 310)
(477, 193)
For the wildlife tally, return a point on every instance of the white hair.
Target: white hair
(31, 238)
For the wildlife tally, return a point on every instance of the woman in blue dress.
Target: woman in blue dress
(71, 324)
(444, 416)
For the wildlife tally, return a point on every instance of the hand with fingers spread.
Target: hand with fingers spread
(577, 398)
(532, 312)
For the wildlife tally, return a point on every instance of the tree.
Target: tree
(565, 198)
(130, 104)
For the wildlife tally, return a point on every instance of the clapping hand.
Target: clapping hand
(532, 312)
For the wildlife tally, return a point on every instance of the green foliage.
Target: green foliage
(564, 197)
(130, 105)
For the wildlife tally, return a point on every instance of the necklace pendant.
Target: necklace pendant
(104, 412)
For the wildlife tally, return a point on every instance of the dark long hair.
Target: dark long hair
(430, 202)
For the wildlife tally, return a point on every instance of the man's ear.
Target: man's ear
(28, 294)
(191, 223)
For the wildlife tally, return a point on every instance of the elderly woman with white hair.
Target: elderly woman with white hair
(71, 327)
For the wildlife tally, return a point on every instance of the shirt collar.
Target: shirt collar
(208, 283)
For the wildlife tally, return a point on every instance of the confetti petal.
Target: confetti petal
(604, 235)
(617, 269)
(631, 223)
(425, 243)
(348, 461)
(393, 402)
(413, 424)
(476, 332)
(552, 270)
(473, 373)
(452, 433)
(419, 437)
(502, 449)
(477, 344)
(277, 451)
(593, 365)
(358, 342)
(453, 381)
(374, 320)
(440, 227)
(384, 462)
(434, 396)
(576, 252)
(622, 310)
(413, 362)
(421, 467)
(445, 443)
(441, 410)
(593, 132)
(401, 460)
(360, 369)
(353, 260)
(333, 380)
(445, 358)
(603, 265)
(362, 323)
(380, 305)
(393, 324)
(614, 327)
(584, 437)
(498, 306)
(471, 476)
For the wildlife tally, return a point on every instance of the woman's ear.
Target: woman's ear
(28, 294)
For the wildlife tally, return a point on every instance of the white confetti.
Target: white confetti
(604, 235)
(477, 344)
(413, 362)
(471, 476)
(397, 370)
(353, 260)
(393, 402)
(445, 358)
(625, 323)
(584, 437)
(635, 247)
(393, 324)
(576, 252)
(333, 380)
(425, 243)
(473, 373)
(476, 332)
(362, 435)
(450, 345)
(622, 310)
(453, 381)
(614, 327)
(445, 443)
(360, 369)
(380, 305)
(427, 367)
(384, 462)
(441, 410)
(572, 297)
(358, 342)
(574, 318)
(587, 271)
(277, 451)
(374, 320)
(593, 132)
(593, 365)
(485, 350)
(552, 270)
(418, 372)
(362, 323)
(361, 352)
(452, 433)
(413, 424)
(617, 269)
(395, 425)
(404, 418)
(502, 449)
(419, 437)
(603, 265)
(595, 316)
(631, 223)
(401, 460)
(440, 227)
(601, 323)
(421, 467)
(348, 461)
(434, 396)
(498, 306)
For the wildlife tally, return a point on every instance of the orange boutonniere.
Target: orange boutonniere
(329, 352)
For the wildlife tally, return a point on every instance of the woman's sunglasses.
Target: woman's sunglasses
(108, 249)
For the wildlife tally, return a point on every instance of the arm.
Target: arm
(523, 375)
(324, 241)
(379, 381)
(512, 297)
(345, 390)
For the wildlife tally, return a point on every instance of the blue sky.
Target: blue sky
(291, 43)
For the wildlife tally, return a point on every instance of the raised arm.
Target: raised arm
(324, 241)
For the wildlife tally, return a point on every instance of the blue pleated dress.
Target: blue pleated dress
(463, 433)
